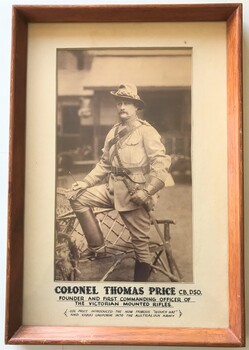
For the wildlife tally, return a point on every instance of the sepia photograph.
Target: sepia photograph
(125, 215)
(123, 175)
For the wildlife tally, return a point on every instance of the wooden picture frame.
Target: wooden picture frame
(16, 332)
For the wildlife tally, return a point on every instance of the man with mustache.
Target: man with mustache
(131, 172)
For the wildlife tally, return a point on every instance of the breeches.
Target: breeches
(137, 221)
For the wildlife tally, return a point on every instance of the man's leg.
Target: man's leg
(97, 196)
(138, 223)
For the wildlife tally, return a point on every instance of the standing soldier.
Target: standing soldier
(134, 168)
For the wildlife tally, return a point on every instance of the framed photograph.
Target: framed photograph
(125, 197)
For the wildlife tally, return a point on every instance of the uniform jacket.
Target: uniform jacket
(141, 149)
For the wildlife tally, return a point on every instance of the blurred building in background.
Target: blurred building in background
(86, 110)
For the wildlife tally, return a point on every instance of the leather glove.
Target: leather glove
(140, 197)
(153, 185)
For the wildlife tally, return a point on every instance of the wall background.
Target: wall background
(5, 40)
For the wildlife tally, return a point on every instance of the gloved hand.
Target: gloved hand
(140, 197)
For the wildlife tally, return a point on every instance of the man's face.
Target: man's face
(126, 109)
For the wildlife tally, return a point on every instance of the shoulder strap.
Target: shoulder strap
(121, 139)
(144, 122)
(118, 136)
(122, 135)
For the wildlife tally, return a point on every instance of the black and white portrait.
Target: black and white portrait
(123, 152)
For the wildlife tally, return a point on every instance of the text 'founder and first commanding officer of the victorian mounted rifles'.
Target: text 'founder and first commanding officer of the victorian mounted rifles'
(134, 166)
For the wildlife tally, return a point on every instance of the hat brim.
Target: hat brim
(140, 103)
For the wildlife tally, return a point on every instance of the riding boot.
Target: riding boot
(142, 271)
(93, 234)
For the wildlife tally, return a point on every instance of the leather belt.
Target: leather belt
(130, 171)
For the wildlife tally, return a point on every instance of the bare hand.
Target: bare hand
(79, 185)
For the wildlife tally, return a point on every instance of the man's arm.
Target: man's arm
(159, 165)
(158, 159)
(102, 168)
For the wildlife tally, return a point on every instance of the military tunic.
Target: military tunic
(141, 153)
